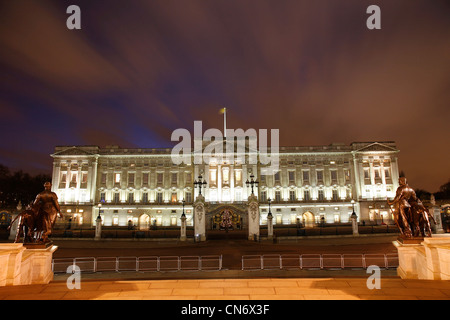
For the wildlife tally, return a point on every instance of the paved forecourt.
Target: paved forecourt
(235, 289)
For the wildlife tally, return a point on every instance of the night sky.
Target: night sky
(140, 69)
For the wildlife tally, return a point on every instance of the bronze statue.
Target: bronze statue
(38, 220)
(410, 215)
(25, 225)
(48, 210)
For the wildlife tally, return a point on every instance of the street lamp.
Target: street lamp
(252, 182)
(270, 212)
(182, 214)
(199, 183)
(99, 208)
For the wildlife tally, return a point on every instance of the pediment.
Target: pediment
(75, 151)
(376, 147)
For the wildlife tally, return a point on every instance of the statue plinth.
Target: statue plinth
(412, 240)
(37, 245)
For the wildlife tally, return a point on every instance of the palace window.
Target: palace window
(277, 177)
(333, 176)
(335, 195)
(238, 176)
(145, 178)
(225, 175)
(306, 195)
(277, 196)
(103, 179)
(212, 176)
(319, 176)
(263, 196)
(159, 197)
(188, 197)
(116, 197)
(291, 177)
(130, 197)
(159, 177)
(305, 176)
(145, 197)
(321, 196)
(174, 197)
(174, 177)
(291, 195)
(131, 179)
(117, 178)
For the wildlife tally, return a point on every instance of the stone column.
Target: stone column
(253, 217)
(183, 228)
(354, 219)
(269, 226)
(98, 228)
(199, 218)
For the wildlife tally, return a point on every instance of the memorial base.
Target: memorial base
(429, 259)
(20, 265)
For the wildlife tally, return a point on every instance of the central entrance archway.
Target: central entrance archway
(308, 219)
(144, 222)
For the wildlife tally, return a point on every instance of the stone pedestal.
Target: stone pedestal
(354, 219)
(199, 219)
(183, 228)
(253, 217)
(22, 266)
(429, 259)
(98, 228)
(270, 227)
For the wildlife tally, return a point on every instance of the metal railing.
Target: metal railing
(138, 264)
(318, 261)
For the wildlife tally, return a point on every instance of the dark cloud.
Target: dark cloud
(140, 69)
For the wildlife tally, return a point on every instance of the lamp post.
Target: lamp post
(270, 212)
(252, 183)
(199, 184)
(269, 222)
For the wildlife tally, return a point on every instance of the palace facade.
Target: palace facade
(143, 187)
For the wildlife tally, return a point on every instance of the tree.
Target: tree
(444, 192)
(19, 186)
(423, 194)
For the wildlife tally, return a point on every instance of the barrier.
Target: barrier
(318, 261)
(139, 264)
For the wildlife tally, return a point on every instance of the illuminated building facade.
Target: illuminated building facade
(143, 187)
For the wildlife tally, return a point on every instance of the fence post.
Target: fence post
(321, 262)
(386, 265)
(199, 263)
(364, 261)
(137, 264)
(281, 263)
(301, 261)
(262, 263)
(117, 264)
(158, 264)
(342, 262)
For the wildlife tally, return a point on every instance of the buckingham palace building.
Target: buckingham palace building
(144, 188)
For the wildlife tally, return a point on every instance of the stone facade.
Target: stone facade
(143, 187)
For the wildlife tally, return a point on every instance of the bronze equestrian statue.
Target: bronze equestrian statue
(410, 215)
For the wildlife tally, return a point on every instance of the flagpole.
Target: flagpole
(225, 122)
